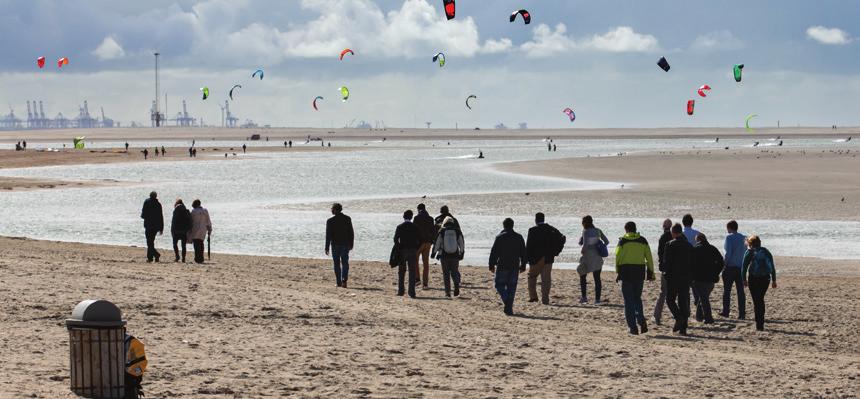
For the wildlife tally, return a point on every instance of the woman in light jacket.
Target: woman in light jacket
(591, 261)
(201, 225)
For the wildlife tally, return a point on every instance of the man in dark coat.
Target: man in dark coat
(543, 244)
(427, 235)
(339, 237)
(153, 223)
(180, 225)
(707, 265)
(677, 264)
(407, 241)
(507, 260)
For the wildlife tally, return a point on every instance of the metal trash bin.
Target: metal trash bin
(96, 350)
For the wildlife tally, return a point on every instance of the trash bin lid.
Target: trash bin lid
(95, 313)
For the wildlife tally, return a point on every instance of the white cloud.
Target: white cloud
(831, 36)
(496, 46)
(109, 49)
(719, 40)
(622, 39)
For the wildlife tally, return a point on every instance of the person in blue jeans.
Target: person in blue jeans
(735, 247)
(507, 260)
(339, 238)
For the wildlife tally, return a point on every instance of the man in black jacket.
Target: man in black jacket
(340, 237)
(677, 261)
(507, 260)
(444, 212)
(707, 266)
(544, 243)
(427, 235)
(661, 251)
(180, 225)
(153, 223)
(407, 241)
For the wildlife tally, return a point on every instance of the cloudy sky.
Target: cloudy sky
(597, 57)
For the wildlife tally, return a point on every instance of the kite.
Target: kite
(691, 105)
(747, 122)
(663, 64)
(315, 102)
(527, 18)
(450, 8)
(343, 53)
(471, 96)
(234, 88)
(344, 92)
(205, 91)
(441, 58)
(738, 70)
(259, 71)
(40, 62)
(79, 142)
(62, 61)
(570, 114)
(702, 90)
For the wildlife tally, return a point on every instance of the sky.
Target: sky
(802, 64)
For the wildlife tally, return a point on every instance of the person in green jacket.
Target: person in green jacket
(757, 273)
(633, 264)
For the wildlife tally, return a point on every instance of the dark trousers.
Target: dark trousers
(408, 264)
(179, 237)
(451, 271)
(340, 256)
(506, 286)
(695, 301)
(631, 290)
(678, 301)
(732, 276)
(661, 299)
(198, 251)
(758, 287)
(151, 252)
(703, 307)
(583, 284)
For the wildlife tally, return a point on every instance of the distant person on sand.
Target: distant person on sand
(190, 152)
(677, 269)
(24, 144)
(201, 225)
(633, 264)
(126, 146)
(543, 244)
(244, 148)
(758, 272)
(707, 266)
(508, 259)
(450, 248)
(339, 238)
(427, 235)
(156, 151)
(735, 247)
(443, 213)
(180, 226)
(285, 143)
(145, 153)
(407, 242)
(291, 143)
(163, 151)
(661, 257)
(591, 261)
(153, 223)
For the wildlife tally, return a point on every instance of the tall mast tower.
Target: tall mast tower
(156, 110)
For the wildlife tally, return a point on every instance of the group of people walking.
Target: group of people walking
(185, 226)
(686, 261)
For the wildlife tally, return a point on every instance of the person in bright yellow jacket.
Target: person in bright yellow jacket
(633, 264)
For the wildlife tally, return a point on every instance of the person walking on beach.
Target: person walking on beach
(677, 269)
(426, 234)
(163, 151)
(707, 266)
(339, 239)
(244, 148)
(758, 272)
(153, 223)
(661, 253)
(591, 260)
(145, 153)
(201, 225)
(444, 212)
(735, 247)
(633, 264)
(689, 232)
(180, 225)
(450, 248)
(543, 244)
(156, 151)
(406, 240)
(508, 259)
(126, 146)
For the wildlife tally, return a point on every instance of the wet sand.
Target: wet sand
(273, 327)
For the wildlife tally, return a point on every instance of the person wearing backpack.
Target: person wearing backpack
(758, 272)
(543, 244)
(450, 247)
(180, 225)
(594, 249)
(633, 264)
(707, 266)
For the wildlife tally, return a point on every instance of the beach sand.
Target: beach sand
(271, 327)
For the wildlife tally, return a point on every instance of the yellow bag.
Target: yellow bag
(135, 358)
